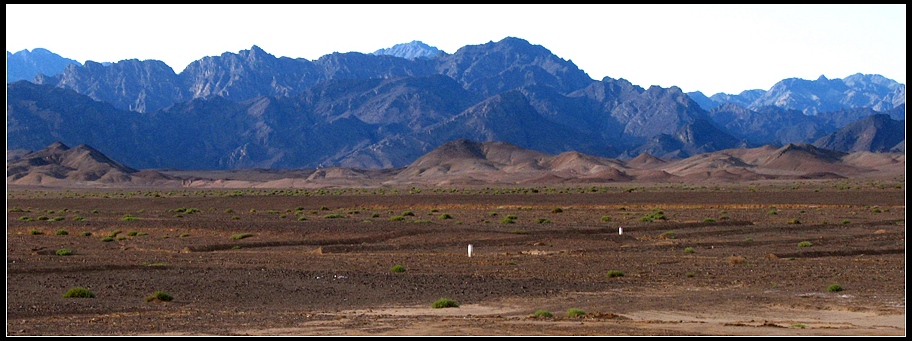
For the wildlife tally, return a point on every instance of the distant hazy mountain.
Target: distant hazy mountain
(813, 97)
(411, 50)
(744, 99)
(25, 64)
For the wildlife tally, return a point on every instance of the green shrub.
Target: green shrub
(184, 235)
(93, 211)
(61, 232)
(542, 313)
(794, 221)
(58, 218)
(575, 313)
(396, 218)
(421, 221)
(64, 252)
(408, 214)
(35, 232)
(688, 250)
(445, 303)
(845, 221)
(511, 217)
(78, 292)
(691, 274)
(129, 218)
(41, 217)
(557, 210)
(107, 239)
(542, 221)
(132, 233)
(606, 218)
(657, 215)
(445, 216)
(834, 288)
(397, 268)
(78, 218)
(709, 220)
(507, 220)
(493, 214)
(668, 235)
(160, 296)
(614, 273)
(86, 234)
(24, 218)
(805, 244)
(302, 218)
(241, 236)
(334, 216)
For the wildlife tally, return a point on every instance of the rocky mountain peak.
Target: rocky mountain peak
(411, 50)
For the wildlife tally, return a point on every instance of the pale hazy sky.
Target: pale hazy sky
(708, 48)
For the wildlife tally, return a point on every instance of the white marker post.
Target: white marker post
(620, 230)
(470, 250)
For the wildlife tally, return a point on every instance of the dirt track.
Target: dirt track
(331, 276)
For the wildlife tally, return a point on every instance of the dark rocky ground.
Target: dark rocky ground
(301, 272)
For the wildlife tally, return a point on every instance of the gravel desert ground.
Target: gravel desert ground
(791, 257)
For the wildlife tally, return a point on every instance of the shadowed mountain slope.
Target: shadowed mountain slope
(875, 133)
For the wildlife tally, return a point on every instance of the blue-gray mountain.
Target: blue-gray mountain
(25, 64)
(253, 110)
(814, 97)
(412, 50)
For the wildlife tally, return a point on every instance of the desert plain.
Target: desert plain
(774, 257)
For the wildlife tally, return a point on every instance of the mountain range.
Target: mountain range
(388, 109)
